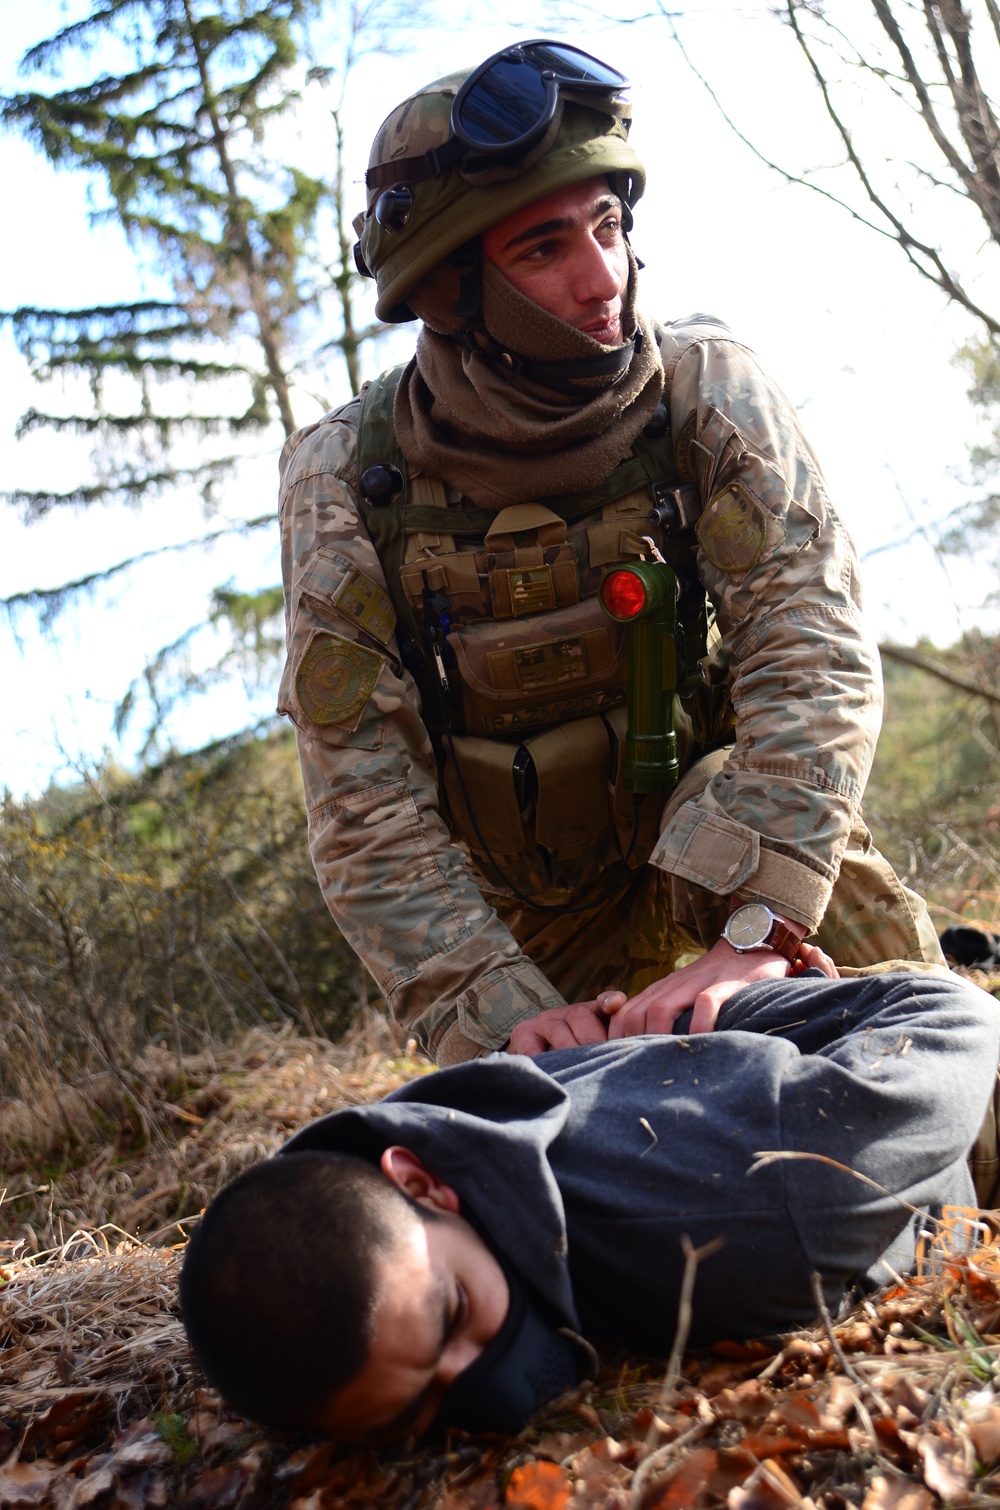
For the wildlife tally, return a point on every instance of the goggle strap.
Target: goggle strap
(413, 170)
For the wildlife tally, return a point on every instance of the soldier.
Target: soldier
(457, 693)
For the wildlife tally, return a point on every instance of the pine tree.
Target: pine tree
(176, 143)
(176, 140)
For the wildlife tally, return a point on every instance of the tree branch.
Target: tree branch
(937, 273)
(934, 668)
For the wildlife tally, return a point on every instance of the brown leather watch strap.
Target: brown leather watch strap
(783, 940)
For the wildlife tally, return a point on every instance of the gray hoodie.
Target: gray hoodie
(585, 1167)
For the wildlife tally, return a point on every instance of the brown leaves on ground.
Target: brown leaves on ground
(102, 1408)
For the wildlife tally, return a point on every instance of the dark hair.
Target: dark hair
(278, 1286)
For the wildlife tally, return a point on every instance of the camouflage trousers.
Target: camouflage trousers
(652, 923)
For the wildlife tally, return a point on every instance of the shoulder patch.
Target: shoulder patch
(362, 600)
(732, 530)
(335, 679)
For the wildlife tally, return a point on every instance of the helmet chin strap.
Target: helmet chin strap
(566, 376)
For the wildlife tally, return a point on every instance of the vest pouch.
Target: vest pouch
(460, 575)
(571, 765)
(487, 773)
(531, 563)
(520, 675)
(548, 835)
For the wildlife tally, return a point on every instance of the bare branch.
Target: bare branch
(937, 273)
(943, 674)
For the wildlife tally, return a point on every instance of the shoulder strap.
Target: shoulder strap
(376, 435)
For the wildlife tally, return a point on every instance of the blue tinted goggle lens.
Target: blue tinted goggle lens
(510, 99)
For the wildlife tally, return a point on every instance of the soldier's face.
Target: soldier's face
(566, 253)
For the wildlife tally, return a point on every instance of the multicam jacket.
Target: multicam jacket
(803, 679)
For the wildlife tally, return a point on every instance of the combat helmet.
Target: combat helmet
(453, 159)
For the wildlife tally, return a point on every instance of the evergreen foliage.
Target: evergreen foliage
(168, 107)
(175, 140)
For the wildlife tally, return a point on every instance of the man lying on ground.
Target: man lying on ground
(425, 1262)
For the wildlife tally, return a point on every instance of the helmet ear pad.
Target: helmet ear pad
(435, 298)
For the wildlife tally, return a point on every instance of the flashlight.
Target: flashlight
(643, 596)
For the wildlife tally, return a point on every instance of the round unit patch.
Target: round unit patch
(732, 530)
(335, 679)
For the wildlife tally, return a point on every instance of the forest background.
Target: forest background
(179, 293)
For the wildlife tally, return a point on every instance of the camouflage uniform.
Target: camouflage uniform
(775, 817)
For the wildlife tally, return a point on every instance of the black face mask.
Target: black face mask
(527, 1363)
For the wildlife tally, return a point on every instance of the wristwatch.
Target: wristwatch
(752, 925)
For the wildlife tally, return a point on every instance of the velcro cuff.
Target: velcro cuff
(791, 889)
(726, 857)
(489, 1011)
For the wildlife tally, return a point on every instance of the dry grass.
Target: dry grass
(894, 1409)
(143, 1157)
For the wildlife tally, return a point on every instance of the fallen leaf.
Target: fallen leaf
(312, 1501)
(597, 1480)
(769, 1487)
(537, 1486)
(306, 1467)
(92, 1487)
(219, 1488)
(215, 1435)
(26, 1484)
(896, 1494)
(685, 1485)
(68, 1419)
(146, 1492)
(944, 1468)
(140, 1446)
(983, 1423)
(560, 1445)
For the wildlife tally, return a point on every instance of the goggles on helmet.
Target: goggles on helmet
(507, 103)
(501, 111)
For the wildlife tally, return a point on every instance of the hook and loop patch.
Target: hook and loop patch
(732, 530)
(335, 679)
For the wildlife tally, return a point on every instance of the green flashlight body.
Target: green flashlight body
(650, 759)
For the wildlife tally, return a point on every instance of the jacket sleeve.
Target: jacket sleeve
(805, 678)
(399, 890)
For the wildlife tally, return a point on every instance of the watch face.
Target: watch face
(749, 925)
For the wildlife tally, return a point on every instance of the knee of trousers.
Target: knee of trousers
(871, 916)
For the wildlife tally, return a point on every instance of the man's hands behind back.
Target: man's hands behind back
(702, 986)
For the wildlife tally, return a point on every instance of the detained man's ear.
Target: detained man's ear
(411, 1175)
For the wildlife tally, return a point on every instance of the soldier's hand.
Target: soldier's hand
(814, 958)
(559, 1028)
(703, 985)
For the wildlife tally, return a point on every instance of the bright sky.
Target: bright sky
(862, 346)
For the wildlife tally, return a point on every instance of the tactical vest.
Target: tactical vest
(502, 607)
